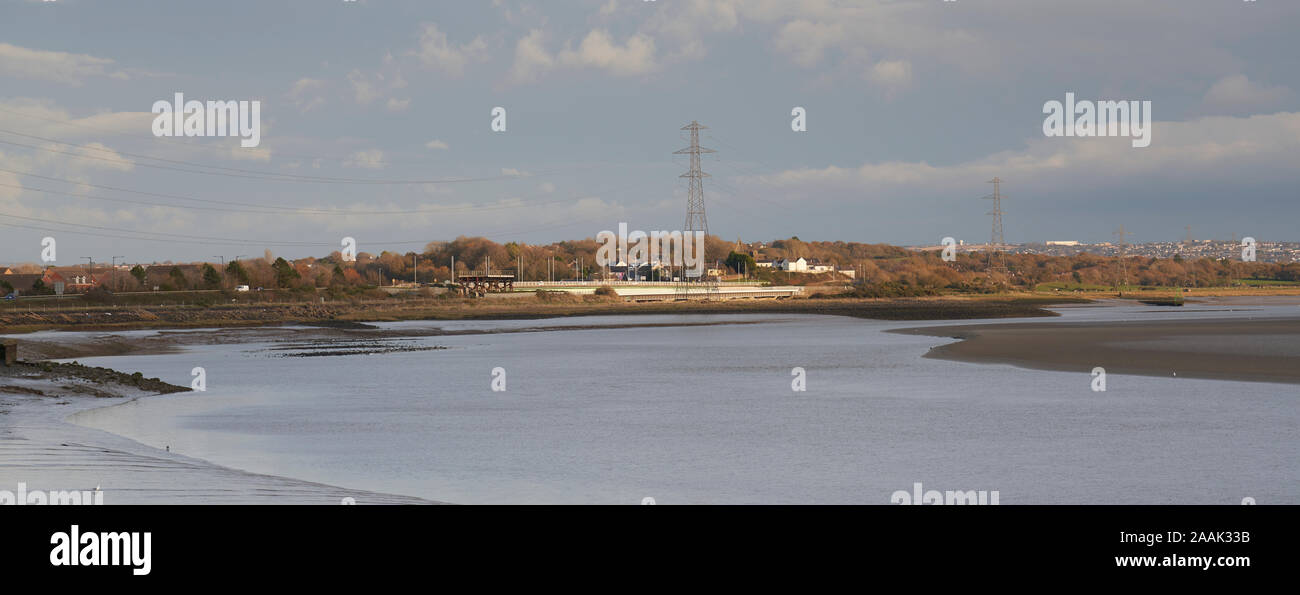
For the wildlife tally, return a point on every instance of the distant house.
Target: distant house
(20, 284)
(798, 265)
(55, 281)
(618, 271)
(81, 283)
(74, 279)
(817, 266)
(25, 284)
(764, 264)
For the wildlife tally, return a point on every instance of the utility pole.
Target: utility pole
(997, 262)
(91, 274)
(114, 260)
(1123, 250)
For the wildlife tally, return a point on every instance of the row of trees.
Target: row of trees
(875, 264)
(1082, 271)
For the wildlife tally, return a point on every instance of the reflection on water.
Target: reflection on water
(706, 414)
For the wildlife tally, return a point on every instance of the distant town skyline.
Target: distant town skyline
(377, 122)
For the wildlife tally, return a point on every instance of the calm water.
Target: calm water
(707, 415)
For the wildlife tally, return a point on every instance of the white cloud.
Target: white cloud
(42, 118)
(531, 58)
(805, 42)
(892, 75)
(436, 52)
(1197, 149)
(1238, 93)
(366, 88)
(305, 94)
(368, 159)
(437, 145)
(397, 105)
(598, 50)
(363, 91)
(97, 157)
(59, 67)
(691, 19)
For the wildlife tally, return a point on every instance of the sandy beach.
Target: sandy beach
(1253, 350)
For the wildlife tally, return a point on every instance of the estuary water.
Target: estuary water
(707, 414)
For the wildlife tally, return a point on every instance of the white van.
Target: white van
(241, 288)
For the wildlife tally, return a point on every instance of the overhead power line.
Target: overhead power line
(264, 208)
(182, 143)
(264, 176)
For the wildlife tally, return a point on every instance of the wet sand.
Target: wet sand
(1254, 350)
(39, 448)
(343, 315)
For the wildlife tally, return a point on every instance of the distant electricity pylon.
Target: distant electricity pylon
(1123, 251)
(997, 262)
(696, 221)
(695, 218)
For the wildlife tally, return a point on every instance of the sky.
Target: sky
(376, 121)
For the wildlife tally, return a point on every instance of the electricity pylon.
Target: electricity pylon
(696, 221)
(997, 262)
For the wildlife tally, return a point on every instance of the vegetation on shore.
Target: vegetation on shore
(888, 282)
(97, 377)
(891, 270)
(544, 305)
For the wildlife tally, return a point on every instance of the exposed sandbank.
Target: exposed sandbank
(1254, 350)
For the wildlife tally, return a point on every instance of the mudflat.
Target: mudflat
(1255, 350)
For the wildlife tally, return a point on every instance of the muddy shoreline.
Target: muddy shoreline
(354, 316)
(1254, 350)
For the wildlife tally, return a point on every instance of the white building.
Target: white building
(817, 266)
(798, 265)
